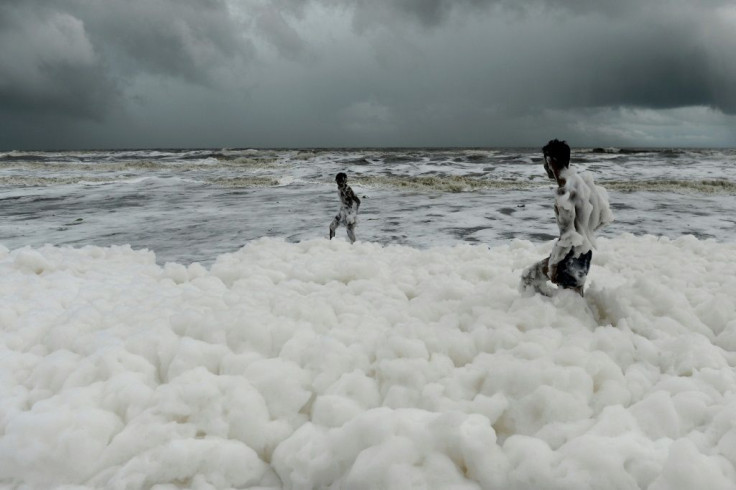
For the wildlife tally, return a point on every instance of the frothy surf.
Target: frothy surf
(325, 365)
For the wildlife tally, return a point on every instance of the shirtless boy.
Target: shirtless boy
(581, 208)
(348, 214)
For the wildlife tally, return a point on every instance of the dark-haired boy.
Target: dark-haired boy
(348, 214)
(581, 208)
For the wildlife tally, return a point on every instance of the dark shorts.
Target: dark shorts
(572, 271)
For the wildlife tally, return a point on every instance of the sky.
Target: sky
(88, 74)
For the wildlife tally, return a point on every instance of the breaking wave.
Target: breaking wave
(246, 182)
(444, 183)
(718, 186)
(34, 181)
(468, 184)
(433, 183)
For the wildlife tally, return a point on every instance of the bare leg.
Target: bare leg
(333, 226)
(351, 232)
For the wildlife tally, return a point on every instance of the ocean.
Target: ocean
(179, 319)
(193, 205)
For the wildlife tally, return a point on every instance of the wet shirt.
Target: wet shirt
(348, 197)
(581, 208)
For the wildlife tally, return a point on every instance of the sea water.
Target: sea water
(192, 205)
(178, 319)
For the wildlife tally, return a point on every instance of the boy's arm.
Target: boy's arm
(565, 211)
(354, 198)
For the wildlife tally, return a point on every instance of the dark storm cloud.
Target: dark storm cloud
(273, 26)
(178, 38)
(70, 57)
(646, 65)
(48, 65)
(289, 72)
(434, 12)
(659, 56)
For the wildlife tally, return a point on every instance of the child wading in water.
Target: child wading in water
(581, 208)
(348, 215)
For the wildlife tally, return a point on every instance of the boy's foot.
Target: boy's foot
(332, 233)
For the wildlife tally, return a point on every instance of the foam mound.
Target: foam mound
(325, 365)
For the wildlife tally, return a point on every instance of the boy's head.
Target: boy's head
(556, 157)
(341, 178)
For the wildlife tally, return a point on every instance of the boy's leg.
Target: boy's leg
(351, 232)
(333, 226)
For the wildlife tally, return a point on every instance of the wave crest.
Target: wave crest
(443, 183)
(718, 186)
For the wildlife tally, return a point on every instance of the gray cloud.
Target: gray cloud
(49, 66)
(433, 13)
(588, 53)
(70, 57)
(178, 38)
(344, 72)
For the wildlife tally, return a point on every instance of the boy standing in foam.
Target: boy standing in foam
(581, 208)
(348, 215)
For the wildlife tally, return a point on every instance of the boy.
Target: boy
(347, 215)
(581, 208)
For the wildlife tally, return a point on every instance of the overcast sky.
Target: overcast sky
(321, 73)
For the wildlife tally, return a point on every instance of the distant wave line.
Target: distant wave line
(245, 182)
(435, 183)
(117, 166)
(443, 183)
(469, 184)
(715, 186)
(457, 183)
(33, 181)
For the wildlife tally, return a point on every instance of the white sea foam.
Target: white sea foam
(325, 365)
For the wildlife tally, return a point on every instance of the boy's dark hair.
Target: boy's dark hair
(341, 178)
(559, 151)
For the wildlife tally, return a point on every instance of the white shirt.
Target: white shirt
(581, 208)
